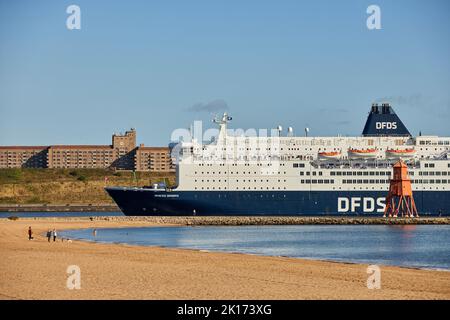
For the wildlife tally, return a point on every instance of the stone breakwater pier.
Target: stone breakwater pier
(266, 220)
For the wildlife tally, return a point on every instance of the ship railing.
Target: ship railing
(362, 164)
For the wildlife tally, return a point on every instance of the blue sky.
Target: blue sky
(155, 65)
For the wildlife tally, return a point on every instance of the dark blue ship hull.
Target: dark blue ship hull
(151, 202)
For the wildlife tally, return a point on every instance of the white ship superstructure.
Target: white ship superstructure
(311, 163)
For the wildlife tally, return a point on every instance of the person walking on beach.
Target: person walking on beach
(49, 235)
(30, 233)
(54, 235)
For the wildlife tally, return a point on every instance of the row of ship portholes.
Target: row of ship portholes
(334, 188)
(387, 188)
(235, 164)
(232, 172)
(249, 195)
(238, 180)
(243, 188)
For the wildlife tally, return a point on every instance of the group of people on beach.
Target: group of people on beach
(51, 234)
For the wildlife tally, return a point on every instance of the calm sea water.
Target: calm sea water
(422, 246)
(58, 214)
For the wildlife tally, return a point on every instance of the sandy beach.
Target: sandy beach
(36, 269)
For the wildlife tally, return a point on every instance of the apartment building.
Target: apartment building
(23, 156)
(121, 154)
(155, 159)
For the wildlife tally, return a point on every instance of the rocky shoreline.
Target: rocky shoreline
(255, 220)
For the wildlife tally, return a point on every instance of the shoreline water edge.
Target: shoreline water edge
(244, 220)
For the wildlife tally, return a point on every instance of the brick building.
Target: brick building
(156, 159)
(122, 154)
(23, 157)
(80, 156)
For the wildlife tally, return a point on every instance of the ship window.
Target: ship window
(333, 173)
(320, 173)
(302, 173)
(314, 173)
(339, 173)
(307, 173)
(302, 181)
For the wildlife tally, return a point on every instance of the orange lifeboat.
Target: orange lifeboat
(362, 153)
(329, 155)
(404, 153)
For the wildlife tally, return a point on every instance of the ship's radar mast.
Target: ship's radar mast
(222, 125)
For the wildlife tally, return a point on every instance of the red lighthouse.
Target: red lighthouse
(400, 198)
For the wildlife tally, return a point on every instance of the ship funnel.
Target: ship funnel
(383, 121)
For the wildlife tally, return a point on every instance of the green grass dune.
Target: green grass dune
(64, 186)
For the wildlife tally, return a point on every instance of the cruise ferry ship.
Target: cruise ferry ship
(288, 175)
